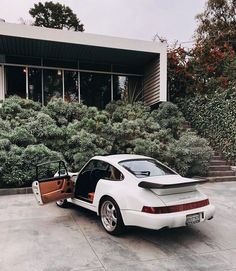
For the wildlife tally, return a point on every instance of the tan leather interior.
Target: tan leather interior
(91, 196)
(57, 189)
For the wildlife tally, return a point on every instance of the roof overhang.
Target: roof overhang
(16, 39)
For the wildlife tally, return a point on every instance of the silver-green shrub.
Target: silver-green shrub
(74, 132)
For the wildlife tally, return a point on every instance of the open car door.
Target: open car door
(52, 183)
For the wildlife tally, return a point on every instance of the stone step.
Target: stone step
(221, 173)
(219, 168)
(222, 179)
(217, 162)
(216, 157)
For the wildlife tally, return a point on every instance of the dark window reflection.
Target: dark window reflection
(35, 84)
(135, 89)
(52, 84)
(120, 86)
(71, 86)
(95, 89)
(15, 81)
(127, 88)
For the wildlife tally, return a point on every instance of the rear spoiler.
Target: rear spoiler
(165, 186)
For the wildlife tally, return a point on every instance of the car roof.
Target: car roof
(116, 158)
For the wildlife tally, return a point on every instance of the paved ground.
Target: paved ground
(52, 239)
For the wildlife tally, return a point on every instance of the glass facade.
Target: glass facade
(128, 88)
(95, 89)
(120, 87)
(35, 84)
(15, 81)
(71, 86)
(52, 84)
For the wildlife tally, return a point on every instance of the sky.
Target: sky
(173, 20)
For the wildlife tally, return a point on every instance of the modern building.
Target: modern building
(40, 63)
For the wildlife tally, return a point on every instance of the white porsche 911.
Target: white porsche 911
(126, 190)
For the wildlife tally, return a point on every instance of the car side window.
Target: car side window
(115, 174)
(96, 164)
(104, 170)
(90, 166)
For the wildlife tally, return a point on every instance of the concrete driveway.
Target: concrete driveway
(52, 239)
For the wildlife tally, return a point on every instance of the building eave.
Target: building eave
(80, 38)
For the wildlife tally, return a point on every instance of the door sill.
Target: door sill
(84, 199)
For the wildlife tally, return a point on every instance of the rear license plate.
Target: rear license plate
(192, 219)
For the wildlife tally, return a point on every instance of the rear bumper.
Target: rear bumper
(158, 221)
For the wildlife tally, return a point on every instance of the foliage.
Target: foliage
(18, 164)
(217, 23)
(55, 15)
(202, 79)
(74, 132)
(178, 78)
(21, 137)
(169, 117)
(188, 155)
(213, 116)
(16, 111)
(200, 69)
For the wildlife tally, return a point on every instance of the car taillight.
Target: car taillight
(175, 208)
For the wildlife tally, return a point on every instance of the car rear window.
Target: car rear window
(142, 168)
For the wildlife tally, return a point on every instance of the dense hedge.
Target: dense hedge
(74, 132)
(214, 117)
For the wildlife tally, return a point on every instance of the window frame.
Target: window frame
(108, 165)
(147, 159)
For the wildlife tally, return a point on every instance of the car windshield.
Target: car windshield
(142, 168)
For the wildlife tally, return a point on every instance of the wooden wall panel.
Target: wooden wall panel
(151, 83)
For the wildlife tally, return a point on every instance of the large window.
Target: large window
(128, 88)
(95, 89)
(71, 86)
(120, 87)
(35, 84)
(52, 84)
(15, 81)
(91, 88)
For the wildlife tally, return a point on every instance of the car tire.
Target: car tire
(63, 203)
(110, 216)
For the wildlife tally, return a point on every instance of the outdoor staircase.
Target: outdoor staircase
(219, 170)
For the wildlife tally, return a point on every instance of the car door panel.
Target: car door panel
(53, 187)
(57, 189)
(52, 190)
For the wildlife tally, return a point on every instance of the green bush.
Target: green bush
(213, 116)
(18, 164)
(169, 116)
(74, 132)
(190, 155)
(21, 137)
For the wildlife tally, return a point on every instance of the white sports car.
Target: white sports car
(126, 190)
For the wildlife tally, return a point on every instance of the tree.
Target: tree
(55, 16)
(218, 23)
(202, 69)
